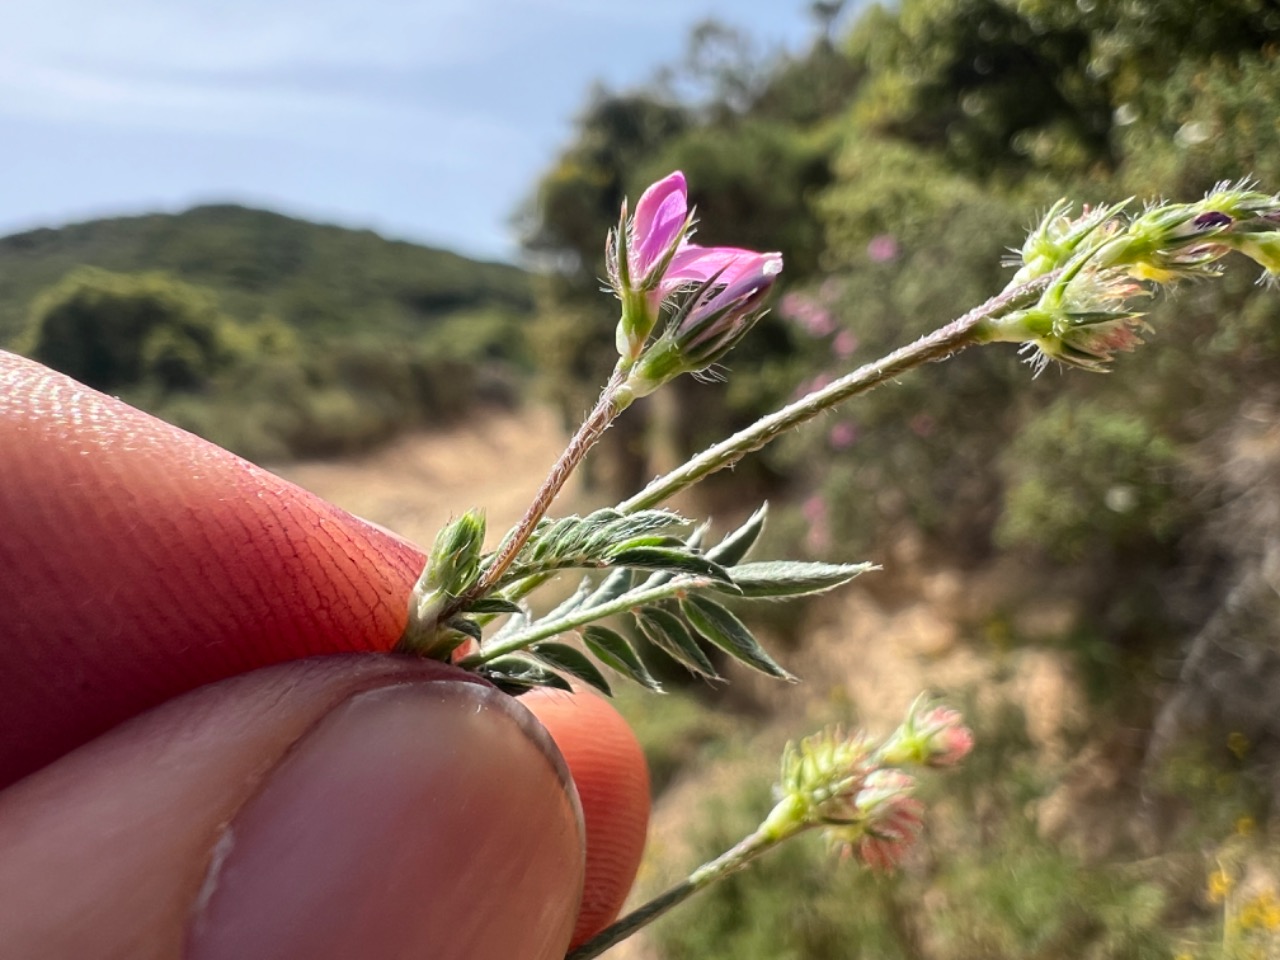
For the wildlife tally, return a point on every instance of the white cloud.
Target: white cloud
(192, 105)
(236, 36)
(239, 68)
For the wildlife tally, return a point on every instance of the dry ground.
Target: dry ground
(416, 483)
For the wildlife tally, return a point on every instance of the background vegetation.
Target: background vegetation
(893, 163)
(272, 336)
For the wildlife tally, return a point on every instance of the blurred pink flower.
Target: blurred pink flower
(845, 343)
(843, 435)
(922, 424)
(808, 314)
(888, 839)
(893, 818)
(882, 248)
(811, 385)
(881, 823)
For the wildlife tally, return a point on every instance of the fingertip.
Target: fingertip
(612, 780)
(370, 840)
(299, 811)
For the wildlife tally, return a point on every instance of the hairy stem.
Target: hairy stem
(938, 345)
(613, 400)
(722, 866)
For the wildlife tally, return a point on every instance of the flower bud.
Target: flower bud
(650, 260)
(932, 735)
(639, 253)
(713, 317)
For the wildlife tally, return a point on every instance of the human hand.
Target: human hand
(392, 807)
(340, 807)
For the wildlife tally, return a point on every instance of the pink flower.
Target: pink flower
(660, 222)
(651, 261)
(845, 343)
(893, 819)
(807, 387)
(949, 740)
(638, 255)
(882, 248)
(811, 316)
(882, 823)
(932, 735)
(886, 841)
(659, 256)
(843, 435)
(732, 286)
(922, 424)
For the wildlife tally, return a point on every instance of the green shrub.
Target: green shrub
(1085, 480)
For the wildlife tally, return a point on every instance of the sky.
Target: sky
(427, 120)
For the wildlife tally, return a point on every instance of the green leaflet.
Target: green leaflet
(562, 657)
(616, 653)
(728, 633)
(665, 631)
(737, 544)
(779, 579)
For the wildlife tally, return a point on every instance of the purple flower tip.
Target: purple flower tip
(1211, 220)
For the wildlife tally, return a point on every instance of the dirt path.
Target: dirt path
(416, 483)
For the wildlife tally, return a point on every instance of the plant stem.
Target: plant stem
(628, 601)
(611, 403)
(722, 866)
(938, 345)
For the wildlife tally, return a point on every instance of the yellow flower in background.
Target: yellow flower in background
(1238, 744)
(1219, 886)
(1261, 912)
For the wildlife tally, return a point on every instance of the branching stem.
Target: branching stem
(938, 345)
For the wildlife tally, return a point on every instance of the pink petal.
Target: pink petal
(693, 264)
(659, 215)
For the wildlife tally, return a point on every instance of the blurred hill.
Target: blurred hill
(273, 336)
(316, 278)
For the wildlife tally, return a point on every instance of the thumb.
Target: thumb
(329, 808)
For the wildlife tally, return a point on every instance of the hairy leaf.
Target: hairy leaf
(736, 545)
(791, 578)
(613, 586)
(728, 633)
(467, 626)
(567, 659)
(514, 624)
(571, 603)
(676, 561)
(589, 541)
(665, 631)
(616, 653)
(514, 674)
